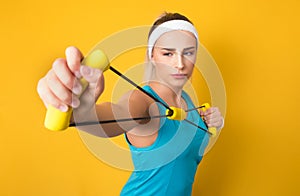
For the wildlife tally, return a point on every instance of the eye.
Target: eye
(189, 53)
(167, 54)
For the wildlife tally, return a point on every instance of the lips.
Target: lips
(179, 76)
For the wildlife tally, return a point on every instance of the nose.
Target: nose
(179, 61)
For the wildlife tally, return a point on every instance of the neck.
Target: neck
(170, 95)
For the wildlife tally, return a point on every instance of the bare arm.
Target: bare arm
(131, 105)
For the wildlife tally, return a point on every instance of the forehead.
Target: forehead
(177, 39)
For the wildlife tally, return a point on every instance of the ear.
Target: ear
(151, 59)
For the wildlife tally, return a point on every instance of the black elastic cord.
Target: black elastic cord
(198, 126)
(194, 123)
(115, 120)
(188, 110)
(138, 87)
(137, 118)
(170, 113)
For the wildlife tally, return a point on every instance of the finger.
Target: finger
(48, 97)
(60, 91)
(212, 116)
(201, 112)
(74, 57)
(215, 124)
(214, 120)
(65, 75)
(212, 111)
(209, 111)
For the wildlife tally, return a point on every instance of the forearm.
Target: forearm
(106, 112)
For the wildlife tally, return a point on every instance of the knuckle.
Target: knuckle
(58, 63)
(73, 56)
(62, 75)
(40, 86)
(51, 78)
(53, 101)
(65, 96)
(71, 49)
(69, 81)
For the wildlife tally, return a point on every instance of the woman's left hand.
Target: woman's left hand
(212, 117)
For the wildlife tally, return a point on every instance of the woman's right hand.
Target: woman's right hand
(61, 86)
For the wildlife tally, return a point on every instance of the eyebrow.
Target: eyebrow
(173, 49)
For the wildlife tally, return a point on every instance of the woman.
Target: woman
(165, 152)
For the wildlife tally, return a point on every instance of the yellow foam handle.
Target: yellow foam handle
(211, 130)
(178, 113)
(97, 59)
(57, 120)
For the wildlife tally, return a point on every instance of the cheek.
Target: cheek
(162, 60)
(189, 68)
(161, 67)
(190, 60)
(163, 70)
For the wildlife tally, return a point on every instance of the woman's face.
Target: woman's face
(174, 56)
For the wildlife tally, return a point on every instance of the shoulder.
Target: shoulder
(137, 97)
(136, 102)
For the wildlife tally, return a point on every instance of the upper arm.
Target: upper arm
(133, 104)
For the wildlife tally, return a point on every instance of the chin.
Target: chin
(177, 84)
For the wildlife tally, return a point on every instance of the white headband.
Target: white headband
(167, 27)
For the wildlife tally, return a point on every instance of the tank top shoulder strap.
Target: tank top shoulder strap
(152, 92)
(188, 100)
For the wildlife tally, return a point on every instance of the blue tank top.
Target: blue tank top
(168, 166)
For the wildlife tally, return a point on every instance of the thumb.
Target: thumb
(95, 80)
(201, 113)
(90, 74)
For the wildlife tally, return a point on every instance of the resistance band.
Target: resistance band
(57, 120)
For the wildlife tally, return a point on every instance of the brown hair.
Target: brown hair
(167, 17)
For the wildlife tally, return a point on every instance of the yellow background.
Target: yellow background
(255, 43)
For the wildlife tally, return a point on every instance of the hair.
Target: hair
(166, 16)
